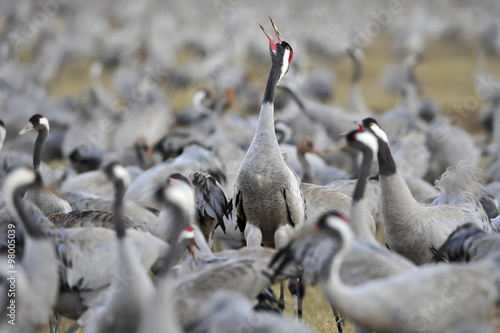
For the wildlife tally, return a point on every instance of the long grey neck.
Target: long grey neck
(296, 97)
(386, 164)
(352, 300)
(26, 219)
(355, 99)
(37, 152)
(356, 102)
(180, 222)
(118, 208)
(357, 213)
(332, 283)
(265, 123)
(358, 67)
(272, 82)
(307, 171)
(397, 199)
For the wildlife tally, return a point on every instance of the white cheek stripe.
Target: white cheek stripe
(45, 122)
(285, 64)
(122, 173)
(380, 133)
(368, 139)
(187, 234)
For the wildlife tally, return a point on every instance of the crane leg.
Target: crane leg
(73, 328)
(338, 320)
(300, 297)
(281, 301)
(58, 321)
(50, 325)
(56, 326)
(292, 287)
(297, 289)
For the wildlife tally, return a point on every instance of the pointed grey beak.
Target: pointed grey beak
(27, 128)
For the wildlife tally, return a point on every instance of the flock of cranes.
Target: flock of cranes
(99, 241)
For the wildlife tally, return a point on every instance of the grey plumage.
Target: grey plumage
(467, 294)
(131, 288)
(36, 279)
(412, 228)
(320, 199)
(366, 260)
(87, 264)
(267, 197)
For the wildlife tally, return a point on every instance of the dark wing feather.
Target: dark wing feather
(211, 199)
(309, 251)
(289, 215)
(456, 247)
(241, 219)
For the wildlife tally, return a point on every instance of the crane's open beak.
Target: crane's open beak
(276, 31)
(27, 128)
(351, 121)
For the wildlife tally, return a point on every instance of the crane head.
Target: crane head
(187, 237)
(306, 145)
(327, 220)
(178, 194)
(37, 122)
(281, 51)
(373, 126)
(117, 173)
(363, 140)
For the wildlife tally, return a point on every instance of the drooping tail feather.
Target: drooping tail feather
(460, 184)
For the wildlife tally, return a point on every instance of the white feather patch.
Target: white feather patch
(379, 132)
(285, 64)
(45, 122)
(185, 234)
(120, 172)
(369, 140)
(182, 195)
